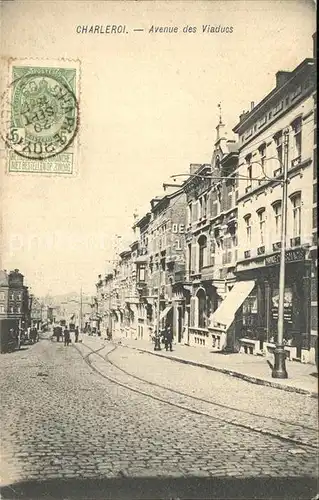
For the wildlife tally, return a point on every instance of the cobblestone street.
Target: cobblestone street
(65, 426)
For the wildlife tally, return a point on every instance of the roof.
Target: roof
(306, 63)
(143, 220)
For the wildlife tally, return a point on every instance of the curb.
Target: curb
(232, 373)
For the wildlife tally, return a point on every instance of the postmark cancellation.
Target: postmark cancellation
(40, 116)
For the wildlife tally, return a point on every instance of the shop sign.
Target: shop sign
(294, 255)
(287, 304)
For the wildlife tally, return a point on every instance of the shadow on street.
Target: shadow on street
(164, 488)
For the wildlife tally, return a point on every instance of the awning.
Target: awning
(225, 314)
(165, 312)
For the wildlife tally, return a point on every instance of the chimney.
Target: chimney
(243, 116)
(252, 105)
(282, 77)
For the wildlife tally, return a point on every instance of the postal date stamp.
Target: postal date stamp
(40, 118)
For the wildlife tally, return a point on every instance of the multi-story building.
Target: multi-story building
(211, 239)
(36, 312)
(167, 261)
(143, 306)
(14, 302)
(253, 307)
(314, 246)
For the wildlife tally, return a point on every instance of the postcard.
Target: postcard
(158, 244)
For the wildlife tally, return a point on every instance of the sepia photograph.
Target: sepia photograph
(158, 250)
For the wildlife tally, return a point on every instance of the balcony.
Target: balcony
(276, 246)
(277, 172)
(247, 254)
(296, 161)
(179, 276)
(207, 272)
(295, 242)
(261, 250)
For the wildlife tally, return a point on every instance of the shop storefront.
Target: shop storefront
(257, 318)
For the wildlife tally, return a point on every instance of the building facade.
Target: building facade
(264, 147)
(15, 304)
(211, 239)
(206, 256)
(166, 263)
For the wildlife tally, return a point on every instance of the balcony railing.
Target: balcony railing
(247, 254)
(261, 250)
(296, 161)
(295, 242)
(276, 246)
(207, 272)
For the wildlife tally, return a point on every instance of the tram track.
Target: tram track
(293, 433)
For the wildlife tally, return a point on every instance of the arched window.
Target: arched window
(202, 244)
(202, 308)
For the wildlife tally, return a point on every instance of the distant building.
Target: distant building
(14, 297)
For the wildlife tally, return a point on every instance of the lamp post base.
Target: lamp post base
(279, 370)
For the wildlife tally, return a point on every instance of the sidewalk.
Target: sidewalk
(302, 378)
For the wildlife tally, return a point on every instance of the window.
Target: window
(262, 154)
(277, 213)
(202, 314)
(249, 171)
(202, 243)
(12, 309)
(247, 219)
(141, 274)
(11, 296)
(261, 221)
(296, 214)
(214, 203)
(296, 127)
(204, 206)
(19, 310)
(190, 206)
(19, 296)
(189, 258)
(279, 147)
(1, 309)
(1, 295)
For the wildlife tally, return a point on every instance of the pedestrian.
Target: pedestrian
(66, 337)
(168, 338)
(34, 335)
(58, 333)
(76, 333)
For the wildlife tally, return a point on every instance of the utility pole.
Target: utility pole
(279, 370)
(157, 343)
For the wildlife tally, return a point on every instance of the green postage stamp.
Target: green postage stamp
(40, 117)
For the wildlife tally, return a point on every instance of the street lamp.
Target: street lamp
(279, 368)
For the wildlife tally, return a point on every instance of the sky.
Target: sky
(148, 108)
